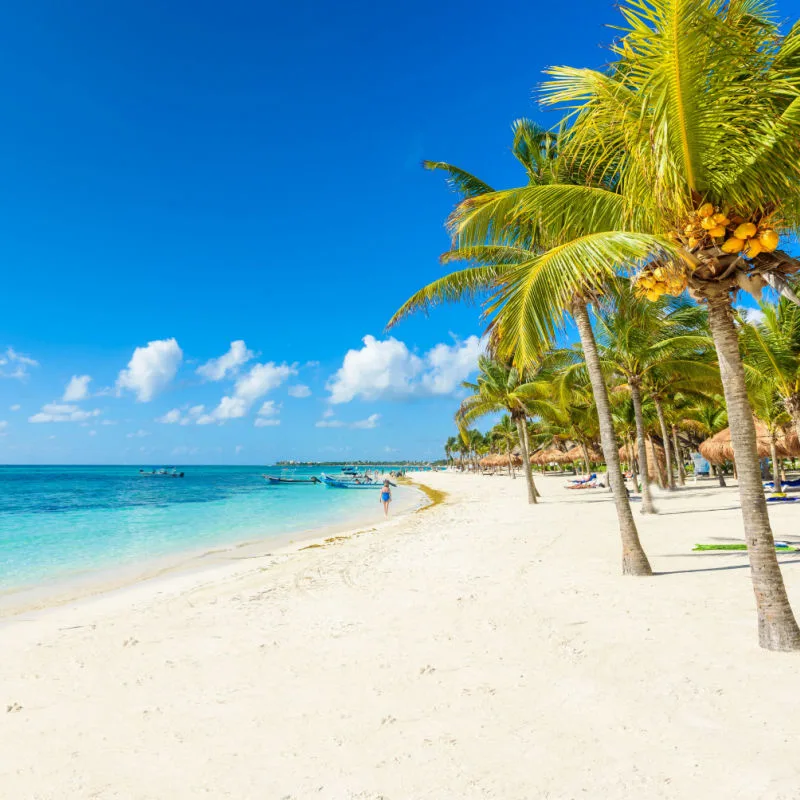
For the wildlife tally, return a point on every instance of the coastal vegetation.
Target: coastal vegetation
(668, 189)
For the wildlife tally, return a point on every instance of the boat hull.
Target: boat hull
(271, 479)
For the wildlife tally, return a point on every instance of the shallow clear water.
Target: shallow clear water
(60, 521)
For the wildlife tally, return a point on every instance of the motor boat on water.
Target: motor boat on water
(281, 481)
(165, 472)
(360, 482)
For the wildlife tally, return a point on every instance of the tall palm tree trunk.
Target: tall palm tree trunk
(647, 498)
(678, 457)
(528, 458)
(777, 627)
(634, 560)
(526, 461)
(776, 469)
(670, 482)
(586, 460)
(632, 463)
(662, 479)
(720, 476)
(510, 462)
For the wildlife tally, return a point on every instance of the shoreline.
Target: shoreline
(96, 583)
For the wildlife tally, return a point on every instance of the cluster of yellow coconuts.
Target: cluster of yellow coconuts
(653, 283)
(740, 235)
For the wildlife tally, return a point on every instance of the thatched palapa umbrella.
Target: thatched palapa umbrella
(719, 449)
(576, 454)
(550, 456)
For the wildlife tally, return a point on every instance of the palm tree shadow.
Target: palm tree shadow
(718, 569)
(700, 510)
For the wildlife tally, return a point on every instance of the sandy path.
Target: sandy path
(483, 649)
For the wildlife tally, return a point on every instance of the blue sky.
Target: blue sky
(194, 175)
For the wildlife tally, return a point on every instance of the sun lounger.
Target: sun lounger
(592, 485)
(592, 477)
(786, 484)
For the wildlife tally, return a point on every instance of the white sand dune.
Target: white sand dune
(481, 649)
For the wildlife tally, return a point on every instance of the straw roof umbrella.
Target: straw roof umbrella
(719, 449)
(576, 454)
(550, 456)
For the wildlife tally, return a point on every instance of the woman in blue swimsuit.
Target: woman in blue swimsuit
(386, 498)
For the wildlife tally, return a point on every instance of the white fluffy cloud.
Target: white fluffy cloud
(448, 365)
(370, 422)
(299, 390)
(3, 426)
(77, 388)
(261, 379)
(389, 370)
(15, 407)
(60, 412)
(752, 315)
(170, 418)
(228, 364)
(140, 434)
(181, 416)
(151, 368)
(15, 365)
(267, 415)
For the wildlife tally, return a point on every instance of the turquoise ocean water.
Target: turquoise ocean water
(59, 522)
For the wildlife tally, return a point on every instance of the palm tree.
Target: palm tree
(450, 447)
(772, 349)
(573, 414)
(501, 246)
(501, 388)
(506, 435)
(771, 411)
(643, 342)
(693, 149)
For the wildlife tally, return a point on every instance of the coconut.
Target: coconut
(753, 248)
(692, 242)
(718, 231)
(708, 223)
(706, 210)
(720, 219)
(769, 240)
(733, 245)
(745, 230)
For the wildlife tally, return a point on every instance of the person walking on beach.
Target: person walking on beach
(386, 498)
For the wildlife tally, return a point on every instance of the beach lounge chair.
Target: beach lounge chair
(786, 484)
(590, 485)
(592, 477)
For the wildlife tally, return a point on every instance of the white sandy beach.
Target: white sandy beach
(481, 649)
